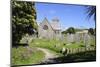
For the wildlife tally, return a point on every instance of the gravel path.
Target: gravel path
(48, 55)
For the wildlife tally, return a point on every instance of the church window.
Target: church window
(45, 27)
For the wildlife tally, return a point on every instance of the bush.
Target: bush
(71, 30)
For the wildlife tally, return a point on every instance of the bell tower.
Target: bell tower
(55, 24)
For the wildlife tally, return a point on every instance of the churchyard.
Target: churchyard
(61, 36)
(82, 48)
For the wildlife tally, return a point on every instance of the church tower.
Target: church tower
(56, 27)
(55, 24)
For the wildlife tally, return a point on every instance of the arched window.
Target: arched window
(45, 27)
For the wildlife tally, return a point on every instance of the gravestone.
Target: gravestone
(86, 40)
(77, 37)
(70, 38)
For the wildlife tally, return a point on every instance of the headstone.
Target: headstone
(77, 38)
(86, 40)
(70, 38)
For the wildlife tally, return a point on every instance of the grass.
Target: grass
(93, 42)
(78, 57)
(75, 45)
(24, 56)
(54, 45)
(49, 44)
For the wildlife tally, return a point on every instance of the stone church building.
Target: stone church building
(49, 30)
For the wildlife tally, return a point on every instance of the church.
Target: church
(49, 30)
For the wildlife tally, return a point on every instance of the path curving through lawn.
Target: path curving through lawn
(48, 55)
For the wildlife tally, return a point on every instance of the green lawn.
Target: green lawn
(49, 44)
(24, 56)
(54, 45)
(78, 57)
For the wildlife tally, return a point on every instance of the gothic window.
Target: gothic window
(45, 27)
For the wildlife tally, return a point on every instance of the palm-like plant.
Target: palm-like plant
(91, 11)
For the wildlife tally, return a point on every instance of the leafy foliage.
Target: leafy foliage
(91, 31)
(64, 32)
(23, 19)
(70, 30)
(91, 11)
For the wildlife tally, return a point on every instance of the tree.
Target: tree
(23, 19)
(91, 31)
(71, 30)
(64, 32)
(91, 11)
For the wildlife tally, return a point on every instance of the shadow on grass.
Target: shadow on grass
(71, 58)
(87, 56)
(18, 45)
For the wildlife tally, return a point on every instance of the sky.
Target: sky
(68, 15)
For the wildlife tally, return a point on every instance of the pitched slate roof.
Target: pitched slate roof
(54, 24)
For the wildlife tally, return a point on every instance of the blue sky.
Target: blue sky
(68, 15)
